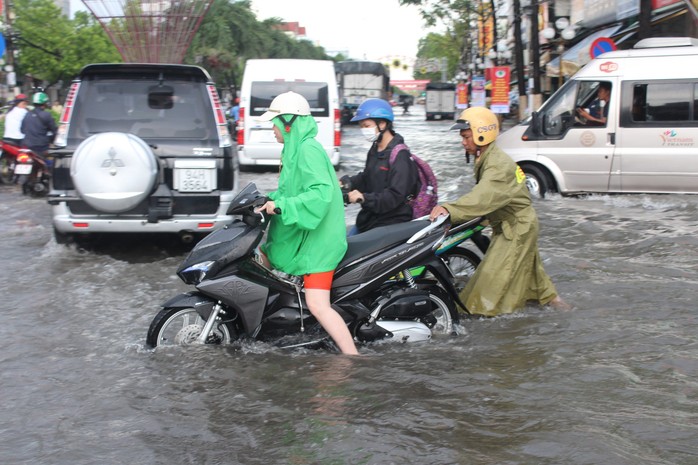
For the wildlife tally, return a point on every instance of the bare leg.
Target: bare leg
(318, 301)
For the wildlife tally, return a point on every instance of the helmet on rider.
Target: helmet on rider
(288, 103)
(483, 123)
(374, 108)
(39, 98)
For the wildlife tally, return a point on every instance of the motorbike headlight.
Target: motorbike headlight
(196, 273)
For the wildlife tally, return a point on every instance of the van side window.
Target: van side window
(668, 102)
(665, 102)
(591, 107)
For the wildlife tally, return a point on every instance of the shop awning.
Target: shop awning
(577, 55)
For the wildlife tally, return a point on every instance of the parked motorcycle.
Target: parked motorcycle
(8, 159)
(237, 297)
(24, 167)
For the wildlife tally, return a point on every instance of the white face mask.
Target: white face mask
(370, 134)
(602, 103)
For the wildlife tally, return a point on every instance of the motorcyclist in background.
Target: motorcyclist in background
(38, 126)
(13, 120)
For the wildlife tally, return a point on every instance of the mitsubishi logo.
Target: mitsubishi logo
(112, 162)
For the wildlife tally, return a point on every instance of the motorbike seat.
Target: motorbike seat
(379, 238)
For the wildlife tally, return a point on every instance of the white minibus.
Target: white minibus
(263, 80)
(646, 140)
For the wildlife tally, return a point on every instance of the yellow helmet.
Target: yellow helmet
(484, 124)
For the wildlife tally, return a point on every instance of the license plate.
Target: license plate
(194, 180)
(23, 169)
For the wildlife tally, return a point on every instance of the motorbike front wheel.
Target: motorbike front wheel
(182, 327)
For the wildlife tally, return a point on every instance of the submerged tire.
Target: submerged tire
(537, 181)
(182, 326)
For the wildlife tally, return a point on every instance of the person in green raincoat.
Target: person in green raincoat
(511, 273)
(308, 237)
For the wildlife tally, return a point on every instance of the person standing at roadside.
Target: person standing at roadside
(13, 120)
(38, 126)
(511, 273)
(307, 234)
(385, 187)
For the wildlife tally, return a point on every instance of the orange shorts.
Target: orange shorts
(319, 280)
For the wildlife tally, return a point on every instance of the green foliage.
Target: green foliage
(230, 34)
(53, 47)
(454, 43)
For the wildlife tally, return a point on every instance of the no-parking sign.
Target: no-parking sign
(601, 45)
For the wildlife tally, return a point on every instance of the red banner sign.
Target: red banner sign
(500, 78)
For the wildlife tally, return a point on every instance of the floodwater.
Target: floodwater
(614, 381)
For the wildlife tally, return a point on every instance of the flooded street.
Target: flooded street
(613, 382)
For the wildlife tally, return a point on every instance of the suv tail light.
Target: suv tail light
(221, 123)
(241, 128)
(337, 128)
(61, 139)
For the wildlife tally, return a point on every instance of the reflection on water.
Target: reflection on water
(613, 382)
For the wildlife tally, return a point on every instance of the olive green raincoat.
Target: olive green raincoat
(511, 272)
(309, 236)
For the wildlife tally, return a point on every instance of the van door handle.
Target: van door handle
(612, 138)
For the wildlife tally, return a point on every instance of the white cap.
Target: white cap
(288, 103)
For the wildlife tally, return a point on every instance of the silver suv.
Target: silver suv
(142, 148)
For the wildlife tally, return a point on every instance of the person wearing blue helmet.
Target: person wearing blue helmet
(385, 187)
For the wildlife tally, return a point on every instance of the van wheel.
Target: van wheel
(537, 181)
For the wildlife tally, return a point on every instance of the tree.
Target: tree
(437, 46)
(455, 16)
(230, 34)
(54, 48)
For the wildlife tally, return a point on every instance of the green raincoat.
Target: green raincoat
(309, 236)
(511, 272)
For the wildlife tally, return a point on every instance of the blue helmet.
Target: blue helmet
(374, 108)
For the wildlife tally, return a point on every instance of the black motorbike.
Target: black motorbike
(237, 297)
(462, 260)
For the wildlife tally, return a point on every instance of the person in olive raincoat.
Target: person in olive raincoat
(308, 237)
(511, 272)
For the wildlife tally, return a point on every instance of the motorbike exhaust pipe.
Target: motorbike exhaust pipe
(412, 331)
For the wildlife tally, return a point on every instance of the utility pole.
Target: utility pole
(518, 60)
(535, 49)
(644, 29)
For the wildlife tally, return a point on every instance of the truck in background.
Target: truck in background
(359, 80)
(440, 100)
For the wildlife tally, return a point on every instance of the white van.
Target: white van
(265, 79)
(649, 141)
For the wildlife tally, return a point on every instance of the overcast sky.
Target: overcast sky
(366, 29)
